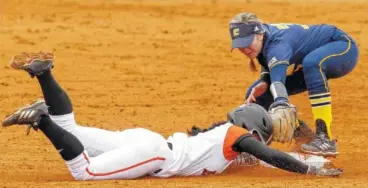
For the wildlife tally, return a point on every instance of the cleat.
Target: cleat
(28, 115)
(33, 63)
(321, 145)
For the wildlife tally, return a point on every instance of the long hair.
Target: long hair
(252, 66)
(247, 18)
(196, 130)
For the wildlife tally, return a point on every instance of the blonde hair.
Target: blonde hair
(252, 66)
(247, 18)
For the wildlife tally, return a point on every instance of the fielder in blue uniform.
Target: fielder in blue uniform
(296, 58)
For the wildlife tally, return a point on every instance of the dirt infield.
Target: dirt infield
(164, 65)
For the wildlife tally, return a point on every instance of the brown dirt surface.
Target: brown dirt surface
(164, 65)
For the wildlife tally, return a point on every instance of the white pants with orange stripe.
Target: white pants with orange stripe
(128, 154)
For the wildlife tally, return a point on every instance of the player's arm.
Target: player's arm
(261, 87)
(247, 143)
(278, 57)
(265, 76)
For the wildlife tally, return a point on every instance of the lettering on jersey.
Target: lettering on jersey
(207, 172)
(272, 62)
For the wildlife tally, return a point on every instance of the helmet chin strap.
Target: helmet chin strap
(256, 135)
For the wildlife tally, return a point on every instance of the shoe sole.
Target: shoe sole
(25, 60)
(321, 153)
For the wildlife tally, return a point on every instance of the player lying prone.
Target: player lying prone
(97, 154)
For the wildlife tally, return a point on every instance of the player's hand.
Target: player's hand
(284, 120)
(257, 90)
(312, 170)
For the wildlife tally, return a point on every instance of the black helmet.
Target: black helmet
(254, 118)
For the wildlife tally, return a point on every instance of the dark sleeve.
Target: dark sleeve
(265, 76)
(277, 57)
(247, 143)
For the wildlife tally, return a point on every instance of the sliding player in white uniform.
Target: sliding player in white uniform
(96, 154)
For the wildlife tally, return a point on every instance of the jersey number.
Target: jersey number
(286, 25)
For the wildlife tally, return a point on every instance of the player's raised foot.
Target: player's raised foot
(28, 115)
(34, 63)
(321, 145)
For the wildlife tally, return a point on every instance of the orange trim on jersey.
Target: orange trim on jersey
(85, 157)
(233, 133)
(125, 169)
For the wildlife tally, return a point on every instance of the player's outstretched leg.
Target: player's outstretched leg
(96, 141)
(68, 146)
(130, 161)
(36, 116)
(39, 65)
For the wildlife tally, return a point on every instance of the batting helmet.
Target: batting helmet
(255, 119)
